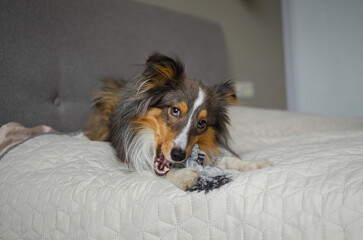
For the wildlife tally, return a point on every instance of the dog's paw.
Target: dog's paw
(183, 178)
(248, 166)
(190, 177)
(240, 165)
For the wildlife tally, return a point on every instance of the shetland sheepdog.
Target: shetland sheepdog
(154, 121)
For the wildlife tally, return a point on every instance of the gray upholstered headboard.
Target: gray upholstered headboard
(54, 52)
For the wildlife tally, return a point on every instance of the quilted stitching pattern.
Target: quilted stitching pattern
(57, 186)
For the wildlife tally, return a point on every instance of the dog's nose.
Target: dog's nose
(177, 154)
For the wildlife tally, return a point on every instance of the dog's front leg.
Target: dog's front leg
(241, 165)
(184, 178)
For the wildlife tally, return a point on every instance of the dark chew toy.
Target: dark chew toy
(210, 177)
(208, 184)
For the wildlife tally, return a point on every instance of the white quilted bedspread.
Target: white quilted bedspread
(63, 187)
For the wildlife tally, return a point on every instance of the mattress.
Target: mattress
(61, 186)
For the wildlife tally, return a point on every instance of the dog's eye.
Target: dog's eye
(202, 124)
(175, 112)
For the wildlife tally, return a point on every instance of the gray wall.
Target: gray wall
(253, 34)
(324, 56)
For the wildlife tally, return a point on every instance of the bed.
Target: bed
(56, 184)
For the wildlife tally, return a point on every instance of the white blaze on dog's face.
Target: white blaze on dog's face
(181, 140)
(179, 120)
(181, 112)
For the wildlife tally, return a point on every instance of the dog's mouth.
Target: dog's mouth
(161, 164)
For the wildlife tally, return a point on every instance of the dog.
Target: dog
(154, 121)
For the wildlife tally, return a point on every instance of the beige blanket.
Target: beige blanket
(56, 186)
(13, 133)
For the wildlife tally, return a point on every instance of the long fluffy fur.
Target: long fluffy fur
(141, 150)
(119, 105)
(104, 104)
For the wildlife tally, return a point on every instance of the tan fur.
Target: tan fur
(105, 102)
(208, 143)
(203, 114)
(166, 72)
(164, 136)
(162, 74)
(231, 98)
(183, 107)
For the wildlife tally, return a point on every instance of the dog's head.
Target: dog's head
(181, 111)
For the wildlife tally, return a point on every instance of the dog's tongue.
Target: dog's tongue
(163, 163)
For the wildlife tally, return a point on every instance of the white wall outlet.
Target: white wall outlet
(245, 89)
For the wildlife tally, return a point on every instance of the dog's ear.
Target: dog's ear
(161, 69)
(161, 74)
(226, 92)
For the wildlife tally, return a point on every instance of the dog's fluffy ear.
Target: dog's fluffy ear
(161, 69)
(161, 74)
(227, 93)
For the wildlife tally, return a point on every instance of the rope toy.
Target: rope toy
(210, 177)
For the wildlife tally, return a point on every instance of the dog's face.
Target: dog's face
(181, 111)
